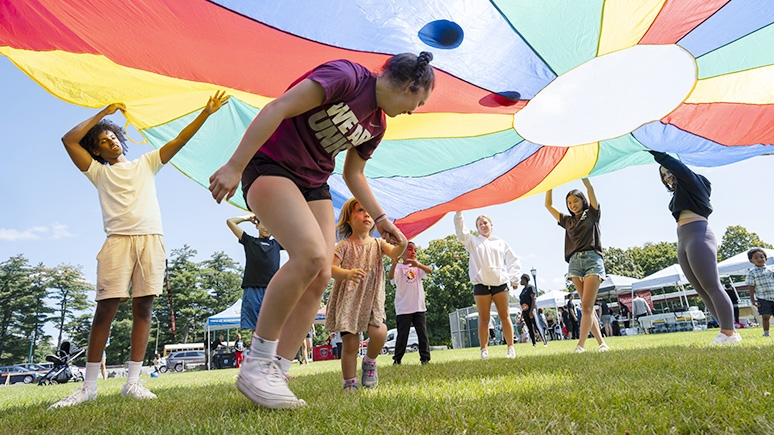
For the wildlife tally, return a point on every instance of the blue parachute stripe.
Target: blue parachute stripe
(735, 20)
(692, 149)
(401, 196)
(374, 27)
(422, 157)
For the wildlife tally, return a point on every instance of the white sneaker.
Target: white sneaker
(722, 338)
(484, 354)
(136, 390)
(511, 353)
(80, 395)
(603, 347)
(263, 382)
(579, 349)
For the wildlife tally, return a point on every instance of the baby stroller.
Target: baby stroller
(62, 372)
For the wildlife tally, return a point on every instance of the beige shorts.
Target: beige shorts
(138, 261)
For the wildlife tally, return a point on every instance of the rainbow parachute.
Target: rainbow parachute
(530, 93)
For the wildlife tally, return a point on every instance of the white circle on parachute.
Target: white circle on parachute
(609, 96)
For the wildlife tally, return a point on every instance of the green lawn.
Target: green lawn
(664, 384)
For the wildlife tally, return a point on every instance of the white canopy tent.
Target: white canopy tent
(616, 284)
(671, 276)
(739, 264)
(554, 298)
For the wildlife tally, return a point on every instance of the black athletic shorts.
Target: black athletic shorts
(262, 165)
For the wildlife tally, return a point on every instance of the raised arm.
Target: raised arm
(592, 196)
(550, 205)
(354, 176)
(233, 224)
(172, 147)
(463, 234)
(304, 96)
(71, 140)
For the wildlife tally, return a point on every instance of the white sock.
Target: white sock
(92, 373)
(133, 374)
(369, 360)
(262, 348)
(284, 363)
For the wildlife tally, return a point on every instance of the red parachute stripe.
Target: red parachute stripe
(677, 18)
(509, 186)
(726, 123)
(166, 38)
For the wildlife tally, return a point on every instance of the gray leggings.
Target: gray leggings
(697, 253)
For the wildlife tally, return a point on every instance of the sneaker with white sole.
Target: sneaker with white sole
(579, 349)
(83, 394)
(369, 378)
(511, 353)
(603, 347)
(263, 382)
(484, 354)
(722, 338)
(136, 390)
(350, 388)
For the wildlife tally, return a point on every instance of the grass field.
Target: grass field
(656, 384)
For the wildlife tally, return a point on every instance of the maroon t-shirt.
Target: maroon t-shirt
(306, 145)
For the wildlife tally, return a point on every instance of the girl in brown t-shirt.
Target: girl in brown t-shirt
(583, 252)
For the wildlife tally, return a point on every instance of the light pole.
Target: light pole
(158, 326)
(533, 271)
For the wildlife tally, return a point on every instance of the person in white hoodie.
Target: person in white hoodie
(492, 266)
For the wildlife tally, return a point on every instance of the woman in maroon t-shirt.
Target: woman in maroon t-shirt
(284, 160)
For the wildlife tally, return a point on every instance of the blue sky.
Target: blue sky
(51, 212)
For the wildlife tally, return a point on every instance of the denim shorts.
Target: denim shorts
(252, 299)
(585, 263)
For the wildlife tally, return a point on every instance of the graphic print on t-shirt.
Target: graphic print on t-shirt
(338, 128)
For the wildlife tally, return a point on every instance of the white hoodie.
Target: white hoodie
(492, 261)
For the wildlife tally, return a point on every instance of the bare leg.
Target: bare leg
(141, 324)
(306, 231)
(503, 312)
(100, 328)
(350, 345)
(483, 305)
(587, 289)
(377, 337)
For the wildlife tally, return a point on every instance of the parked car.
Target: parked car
(17, 374)
(412, 345)
(35, 367)
(177, 360)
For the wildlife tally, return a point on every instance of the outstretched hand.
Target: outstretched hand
(216, 101)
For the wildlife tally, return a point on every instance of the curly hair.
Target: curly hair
(90, 142)
(406, 67)
(581, 196)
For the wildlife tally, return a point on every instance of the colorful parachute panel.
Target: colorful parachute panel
(462, 149)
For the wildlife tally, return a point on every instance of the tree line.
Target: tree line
(32, 296)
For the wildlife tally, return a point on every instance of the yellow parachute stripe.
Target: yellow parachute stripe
(95, 81)
(446, 125)
(624, 22)
(755, 86)
(577, 163)
(151, 99)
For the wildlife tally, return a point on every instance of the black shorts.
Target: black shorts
(485, 290)
(262, 165)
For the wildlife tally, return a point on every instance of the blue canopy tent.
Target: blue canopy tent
(229, 318)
